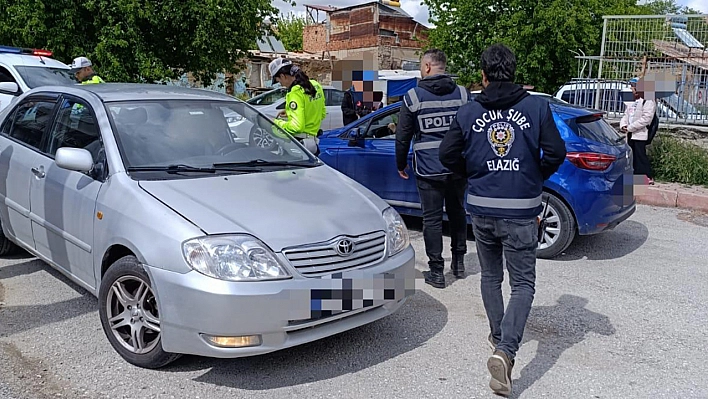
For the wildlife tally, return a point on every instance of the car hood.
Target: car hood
(283, 208)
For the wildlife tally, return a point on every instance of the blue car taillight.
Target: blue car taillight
(591, 160)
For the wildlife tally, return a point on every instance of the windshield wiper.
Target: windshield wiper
(177, 168)
(262, 162)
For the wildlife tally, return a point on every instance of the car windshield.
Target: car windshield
(267, 98)
(35, 76)
(188, 136)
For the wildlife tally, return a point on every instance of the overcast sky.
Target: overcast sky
(420, 12)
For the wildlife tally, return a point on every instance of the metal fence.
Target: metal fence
(670, 53)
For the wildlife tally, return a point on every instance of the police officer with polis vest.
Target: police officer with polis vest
(496, 141)
(425, 117)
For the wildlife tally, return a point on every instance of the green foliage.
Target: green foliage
(678, 161)
(662, 7)
(139, 40)
(545, 35)
(289, 31)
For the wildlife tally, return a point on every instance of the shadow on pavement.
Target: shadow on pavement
(22, 269)
(626, 238)
(345, 353)
(557, 328)
(17, 319)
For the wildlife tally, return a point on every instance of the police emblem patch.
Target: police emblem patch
(293, 105)
(501, 135)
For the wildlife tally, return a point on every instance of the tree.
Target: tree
(545, 35)
(139, 40)
(289, 31)
(663, 7)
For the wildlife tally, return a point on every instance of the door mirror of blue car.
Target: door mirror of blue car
(356, 137)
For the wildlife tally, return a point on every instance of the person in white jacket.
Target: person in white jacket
(635, 123)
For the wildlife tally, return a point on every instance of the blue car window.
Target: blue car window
(383, 127)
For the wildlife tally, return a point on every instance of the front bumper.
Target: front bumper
(284, 313)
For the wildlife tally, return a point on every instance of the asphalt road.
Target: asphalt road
(620, 315)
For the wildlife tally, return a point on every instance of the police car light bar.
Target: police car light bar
(28, 51)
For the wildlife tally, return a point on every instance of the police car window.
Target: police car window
(6, 76)
(44, 76)
(383, 127)
(75, 127)
(30, 122)
(5, 128)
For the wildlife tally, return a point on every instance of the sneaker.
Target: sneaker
(499, 367)
(492, 342)
(434, 278)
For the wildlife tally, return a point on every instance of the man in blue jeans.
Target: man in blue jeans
(496, 141)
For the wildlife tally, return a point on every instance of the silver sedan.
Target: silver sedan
(194, 242)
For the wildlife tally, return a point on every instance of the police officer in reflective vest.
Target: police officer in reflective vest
(496, 141)
(426, 114)
(82, 68)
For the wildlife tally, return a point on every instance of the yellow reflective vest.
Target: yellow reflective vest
(305, 114)
(94, 79)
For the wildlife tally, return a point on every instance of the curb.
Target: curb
(671, 195)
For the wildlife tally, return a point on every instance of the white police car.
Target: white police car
(22, 69)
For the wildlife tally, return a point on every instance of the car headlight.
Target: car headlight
(233, 258)
(396, 232)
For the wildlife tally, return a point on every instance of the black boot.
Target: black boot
(458, 265)
(435, 277)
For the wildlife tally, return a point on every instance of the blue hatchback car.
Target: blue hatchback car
(592, 191)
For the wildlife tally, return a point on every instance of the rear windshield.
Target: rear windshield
(595, 128)
(35, 76)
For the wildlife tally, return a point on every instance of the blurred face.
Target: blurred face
(83, 73)
(285, 80)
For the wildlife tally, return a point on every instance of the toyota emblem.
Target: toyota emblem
(344, 247)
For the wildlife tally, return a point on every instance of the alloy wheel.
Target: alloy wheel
(263, 139)
(553, 226)
(132, 314)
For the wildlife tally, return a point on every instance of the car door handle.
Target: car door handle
(39, 172)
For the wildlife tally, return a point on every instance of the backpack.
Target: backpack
(653, 128)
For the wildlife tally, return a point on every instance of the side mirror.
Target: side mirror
(76, 159)
(356, 137)
(9, 87)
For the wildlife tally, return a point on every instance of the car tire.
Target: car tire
(560, 228)
(126, 291)
(7, 247)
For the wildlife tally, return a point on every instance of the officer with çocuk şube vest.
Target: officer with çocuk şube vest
(425, 117)
(496, 141)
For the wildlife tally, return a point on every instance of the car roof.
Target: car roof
(31, 60)
(110, 92)
(565, 110)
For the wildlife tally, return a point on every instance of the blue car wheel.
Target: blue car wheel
(560, 228)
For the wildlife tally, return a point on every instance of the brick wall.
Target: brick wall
(314, 38)
(359, 28)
